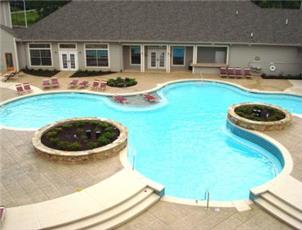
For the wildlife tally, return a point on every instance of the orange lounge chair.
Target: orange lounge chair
(20, 89)
(120, 99)
(73, 83)
(150, 98)
(54, 82)
(46, 84)
(27, 87)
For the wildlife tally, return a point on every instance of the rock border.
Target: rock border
(259, 125)
(99, 153)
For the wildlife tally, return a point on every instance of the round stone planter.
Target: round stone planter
(259, 125)
(103, 152)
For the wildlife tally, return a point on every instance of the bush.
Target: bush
(92, 145)
(103, 141)
(52, 133)
(40, 72)
(121, 82)
(74, 146)
(90, 73)
(108, 135)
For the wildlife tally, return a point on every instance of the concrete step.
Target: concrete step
(126, 216)
(284, 206)
(109, 214)
(279, 213)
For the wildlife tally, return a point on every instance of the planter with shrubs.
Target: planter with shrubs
(261, 117)
(80, 139)
(121, 82)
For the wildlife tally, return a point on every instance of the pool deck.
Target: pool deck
(26, 178)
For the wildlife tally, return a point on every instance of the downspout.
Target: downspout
(16, 54)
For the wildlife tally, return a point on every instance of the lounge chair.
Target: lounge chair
(20, 89)
(95, 85)
(238, 72)
(46, 84)
(83, 84)
(120, 99)
(73, 83)
(247, 73)
(223, 72)
(27, 87)
(231, 72)
(54, 82)
(150, 98)
(12, 74)
(102, 85)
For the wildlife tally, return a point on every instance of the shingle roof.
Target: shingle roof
(171, 21)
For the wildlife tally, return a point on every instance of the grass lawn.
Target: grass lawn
(18, 17)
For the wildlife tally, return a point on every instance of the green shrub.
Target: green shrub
(121, 82)
(63, 145)
(92, 145)
(54, 140)
(51, 134)
(108, 135)
(103, 140)
(74, 146)
(66, 126)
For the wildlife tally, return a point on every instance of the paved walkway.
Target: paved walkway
(28, 178)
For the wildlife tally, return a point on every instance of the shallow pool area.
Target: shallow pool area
(183, 142)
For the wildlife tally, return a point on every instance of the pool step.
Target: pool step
(284, 206)
(279, 213)
(117, 215)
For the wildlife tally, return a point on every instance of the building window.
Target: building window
(135, 55)
(212, 55)
(178, 55)
(40, 54)
(97, 55)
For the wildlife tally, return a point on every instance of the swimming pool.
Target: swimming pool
(182, 143)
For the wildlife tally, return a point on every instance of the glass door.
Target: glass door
(162, 58)
(157, 58)
(68, 60)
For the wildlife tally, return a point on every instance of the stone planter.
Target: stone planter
(103, 152)
(259, 125)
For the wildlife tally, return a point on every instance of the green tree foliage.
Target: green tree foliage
(285, 4)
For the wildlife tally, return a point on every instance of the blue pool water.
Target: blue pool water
(182, 143)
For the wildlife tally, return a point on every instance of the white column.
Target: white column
(142, 58)
(168, 64)
(195, 54)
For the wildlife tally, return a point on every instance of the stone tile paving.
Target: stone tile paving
(169, 216)
(291, 138)
(27, 177)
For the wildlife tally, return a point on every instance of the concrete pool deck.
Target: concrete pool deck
(183, 216)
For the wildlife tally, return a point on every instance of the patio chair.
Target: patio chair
(83, 84)
(12, 74)
(73, 83)
(150, 98)
(247, 73)
(238, 72)
(120, 99)
(46, 84)
(27, 87)
(102, 85)
(95, 85)
(223, 72)
(54, 82)
(20, 89)
(231, 72)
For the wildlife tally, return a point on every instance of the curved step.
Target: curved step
(110, 213)
(126, 216)
(284, 206)
(279, 213)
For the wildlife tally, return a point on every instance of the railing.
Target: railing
(207, 198)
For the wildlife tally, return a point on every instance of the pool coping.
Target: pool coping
(288, 163)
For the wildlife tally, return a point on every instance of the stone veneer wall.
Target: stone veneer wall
(81, 156)
(259, 125)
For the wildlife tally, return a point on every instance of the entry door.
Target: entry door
(157, 58)
(9, 61)
(68, 60)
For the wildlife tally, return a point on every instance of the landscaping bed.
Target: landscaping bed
(261, 117)
(90, 73)
(80, 135)
(121, 82)
(280, 77)
(40, 72)
(259, 112)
